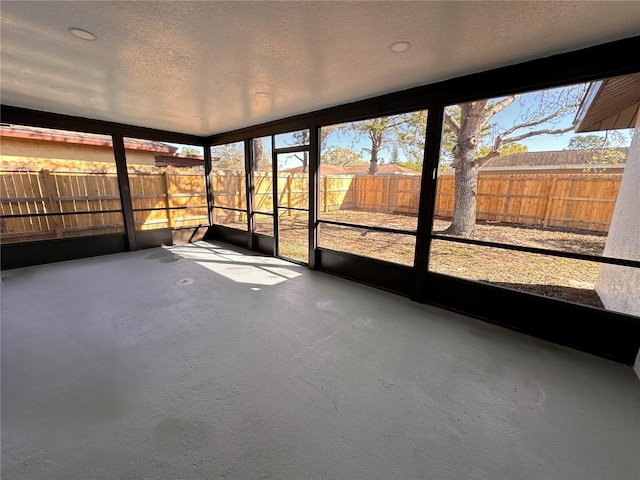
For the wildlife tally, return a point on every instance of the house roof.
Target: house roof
(384, 169)
(610, 104)
(52, 135)
(326, 169)
(557, 158)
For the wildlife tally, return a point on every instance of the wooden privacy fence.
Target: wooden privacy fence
(168, 199)
(576, 202)
(87, 202)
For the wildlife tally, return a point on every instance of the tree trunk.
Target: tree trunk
(258, 153)
(305, 162)
(376, 144)
(466, 169)
(373, 163)
(464, 207)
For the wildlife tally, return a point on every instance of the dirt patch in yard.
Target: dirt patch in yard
(562, 278)
(556, 277)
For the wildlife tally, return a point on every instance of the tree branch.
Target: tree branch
(481, 161)
(545, 131)
(497, 108)
(539, 121)
(453, 125)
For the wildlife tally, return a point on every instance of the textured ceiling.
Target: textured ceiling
(209, 67)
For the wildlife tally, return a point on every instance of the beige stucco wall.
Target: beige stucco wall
(24, 147)
(618, 286)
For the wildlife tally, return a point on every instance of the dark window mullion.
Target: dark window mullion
(249, 189)
(125, 191)
(208, 167)
(314, 156)
(274, 195)
(427, 199)
(540, 251)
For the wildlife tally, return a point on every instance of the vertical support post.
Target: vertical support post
(167, 199)
(314, 168)
(427, 203)
(288, 189)
(49, 192)
(507, 204)
(549, 206)
(249, 163)
(125, 191)
(568, 217)
(207, 182)
(274, 196)
(326, 194)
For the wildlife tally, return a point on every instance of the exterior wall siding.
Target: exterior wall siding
(618, 286)
(24, 147)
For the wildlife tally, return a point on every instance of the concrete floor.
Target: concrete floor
(200, 361)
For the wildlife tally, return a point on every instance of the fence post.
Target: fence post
(392, 199)
(167, 198)
(388, 182)
(572, 192)
(50, 193)
(288, 188)
(325, 196)
(507, 203)
(547, 213)
(355, 190)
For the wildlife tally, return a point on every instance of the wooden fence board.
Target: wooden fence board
(577, 201)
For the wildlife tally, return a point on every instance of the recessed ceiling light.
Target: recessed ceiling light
(83, 34)
(195, 117)
(58, 88)
(262, 94)
(399, 47)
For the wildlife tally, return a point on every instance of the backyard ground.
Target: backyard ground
(562, 278)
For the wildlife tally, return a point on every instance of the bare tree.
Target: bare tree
(258, 154)
(469, 124)
(302, 138)
(405, 131)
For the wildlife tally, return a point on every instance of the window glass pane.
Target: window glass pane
(262, 175)
(293, 186)
(230, 218)
(228, 175)
(167, 184)
(391, 247)
(293, 234)
(263, 224)
(528, 174)
(370, 171)
(557, 169)
(57, 184)
(292, 139)
(577, 281)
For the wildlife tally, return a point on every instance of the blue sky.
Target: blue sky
(508, 117)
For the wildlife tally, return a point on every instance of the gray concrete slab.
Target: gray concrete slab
(200, 361)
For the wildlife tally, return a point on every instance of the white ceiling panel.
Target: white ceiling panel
(210, 67)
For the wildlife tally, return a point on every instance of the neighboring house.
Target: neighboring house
(180, 160)
(18, 142)
(383, 169)
(614, 104)
(555, 162)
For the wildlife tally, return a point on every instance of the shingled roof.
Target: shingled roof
(551, 158)
(383, 169)
(49, 134)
